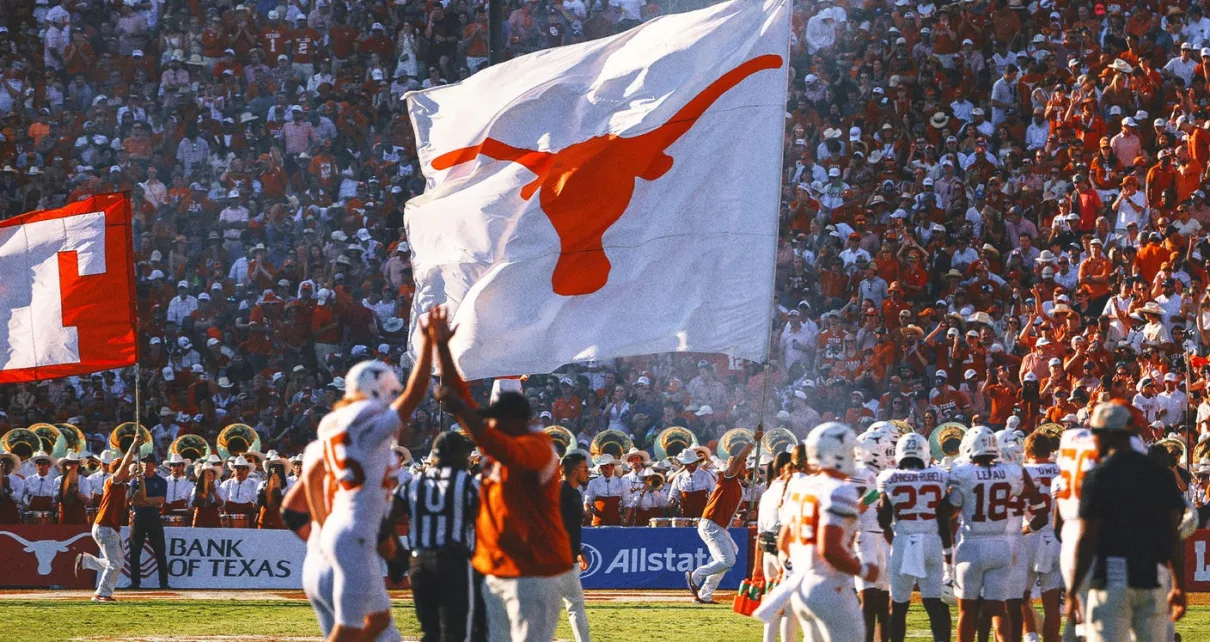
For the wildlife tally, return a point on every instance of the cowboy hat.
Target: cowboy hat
(174, 459)
(405, 455)
(912, 330)
(635, 452)
(41, 454)
(255, 454)
(1121, 65)
(703, 453)
(687, 456)
(15, 460)
(939, 120)
(278, 459)
(607, 460)
(71, 457)
(1151, 307)
(239, 462)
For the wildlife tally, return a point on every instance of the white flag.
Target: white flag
(612, 198)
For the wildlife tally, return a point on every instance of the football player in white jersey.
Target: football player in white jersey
(983, 492)
(819, 522)
(1041, 549)
(1028, 516)
(873, 446)
(356, 438)
(1078, 454)
(914, 515)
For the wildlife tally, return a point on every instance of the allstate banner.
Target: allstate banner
(652, 558)
(218, 558)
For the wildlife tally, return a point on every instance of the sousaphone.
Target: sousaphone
(21, 442)
(902, 427)
(53, 441)
(1201, 451)
(672, 440)
(946, 440)
(733, 441)
(76, 441)
(614, 442)
(778, 440)
(191, 447)
(1174, 446)
(1052, 431)
(562, 437)
(122, 436)
(236, 440)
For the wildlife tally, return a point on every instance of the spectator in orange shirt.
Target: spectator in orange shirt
(522, 547)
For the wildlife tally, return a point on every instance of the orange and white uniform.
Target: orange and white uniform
(916, 554)
(1077, 455)
(985, 497)
(826, 602)
(357, 454)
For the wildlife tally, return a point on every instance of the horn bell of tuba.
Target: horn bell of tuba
(777, 440)
(76, 441)
(1174, 446)
(655, 481)
(123, 435)
(191, 447)
(733, 441)
(672, 440)
(1201, 451)
(1053, 431)
(563, 439)
(53, 441)
(614, 442)
(946, 440)
(21, 442)
(237, 439)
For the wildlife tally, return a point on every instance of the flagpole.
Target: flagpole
(137, 401)
(495, 32)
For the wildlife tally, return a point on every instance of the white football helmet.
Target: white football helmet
(982, 442)
(373, 380)
(871, 449)
(830, 446)
(1012, 446)
(913, 445)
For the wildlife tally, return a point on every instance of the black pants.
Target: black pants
(147, 526)
(441, 588)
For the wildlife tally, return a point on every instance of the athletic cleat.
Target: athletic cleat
(103, 598)
(692, 587)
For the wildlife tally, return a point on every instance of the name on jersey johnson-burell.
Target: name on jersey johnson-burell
(916, 475)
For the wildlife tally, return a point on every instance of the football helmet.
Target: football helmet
(373, 380)
(1012, 446)
(912, 445)
(830, 446)
(871, 449)
(982, 442)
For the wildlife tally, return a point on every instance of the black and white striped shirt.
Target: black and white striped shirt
(442, 504)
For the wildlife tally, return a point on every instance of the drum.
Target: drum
(174, 521)
(684, 522)
(39, 517)
(238, 520)
(660, 522)
(224, 520)
(92, 514)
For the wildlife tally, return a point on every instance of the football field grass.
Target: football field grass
(154, 620)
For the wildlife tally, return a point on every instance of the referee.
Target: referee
(1128, 548)
(443, 503)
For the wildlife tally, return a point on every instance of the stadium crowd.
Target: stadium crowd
(993, 212)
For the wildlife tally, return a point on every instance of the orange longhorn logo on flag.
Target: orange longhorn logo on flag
(585, 188)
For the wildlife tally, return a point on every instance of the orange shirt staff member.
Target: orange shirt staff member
(106, 531)
(522, 547)
(712, 527)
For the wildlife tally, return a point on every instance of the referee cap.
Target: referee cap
(1109, 417)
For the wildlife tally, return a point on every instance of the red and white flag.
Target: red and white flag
(67, 303)
(612, 198)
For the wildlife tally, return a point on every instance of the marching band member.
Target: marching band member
(205, 498)
(691, 485)
(606, 494)
(269, 493)
(712, 527)
(96, 481)
(819, 522)
(72, 501)
(12, 486)
(650, 501)
(754, 486)
(914, 516)
(636, 481)
(1041, 558)
(238, 493)
(40, 489)
(180, 489)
